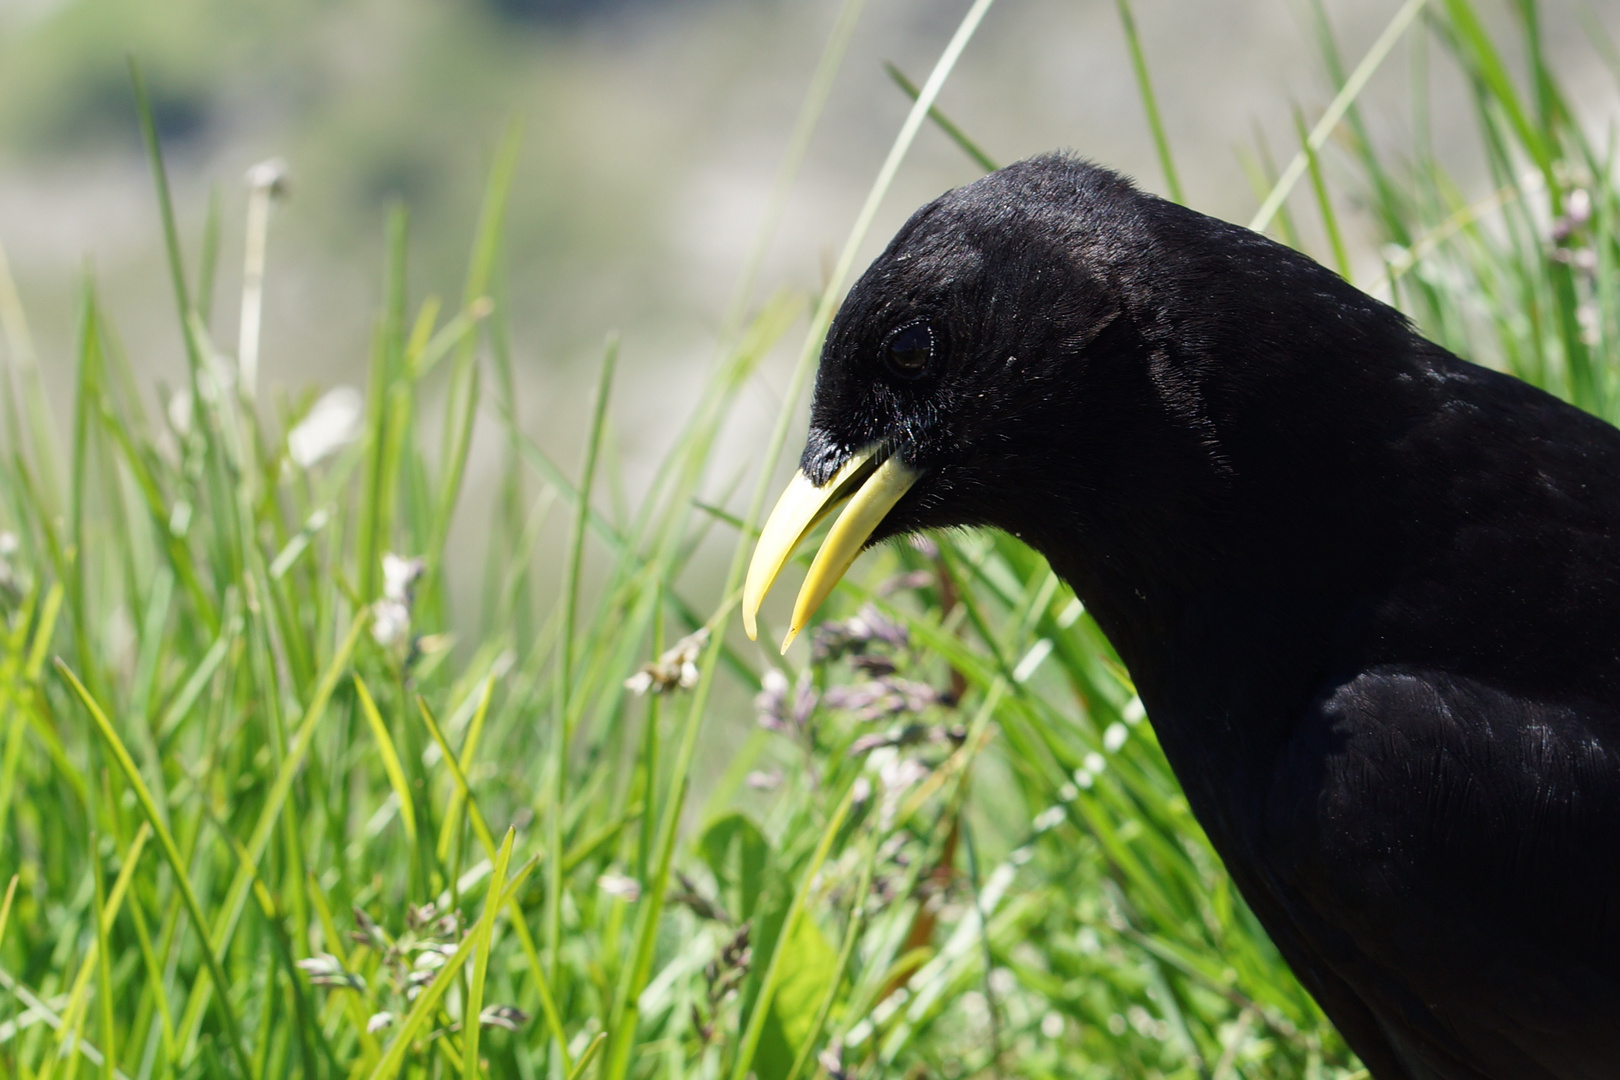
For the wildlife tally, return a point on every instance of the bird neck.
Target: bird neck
(1227, 544)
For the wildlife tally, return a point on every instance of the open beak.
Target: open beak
(872, 481)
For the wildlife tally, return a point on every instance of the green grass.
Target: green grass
(270, 807)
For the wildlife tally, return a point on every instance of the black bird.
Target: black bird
(1369, 592)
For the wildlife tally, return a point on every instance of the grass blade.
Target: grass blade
(390, 759)
(1324, 204)
(588, 1056)
(461, 404)
(773, 970)
(563, 707)
(171, 852)
(171, 232)
(104, 985)
(427, 1002)
(29, 424)
(483, 934)
(5, 906)
(1150, 103)
(208, 263)
(943, 122)
(269, 815)
(548, 1004)
(1346, 97)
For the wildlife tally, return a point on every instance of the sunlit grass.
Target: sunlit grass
(267, 809)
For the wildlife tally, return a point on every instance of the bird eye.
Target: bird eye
(909, 349)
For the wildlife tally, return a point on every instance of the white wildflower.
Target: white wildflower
(328, 970)
(427, 959)
(318, 966)
(675, 669)
(399, 574)
(179, 410)
(390, 621)
(765, 781)
(391, 616)
(270, 174)
(332, 422)
(898, 775)
(1590, 318)
(784, 707)
(507, 1017)
(620, 887)
(1578, 206)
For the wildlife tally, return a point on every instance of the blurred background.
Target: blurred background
(652, 130)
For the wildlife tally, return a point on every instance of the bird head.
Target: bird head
(1031, 352)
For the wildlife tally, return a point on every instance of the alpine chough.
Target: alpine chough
(1369, 592)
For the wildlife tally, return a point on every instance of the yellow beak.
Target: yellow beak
(871, 482)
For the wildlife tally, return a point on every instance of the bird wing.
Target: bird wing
(1474, 812)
